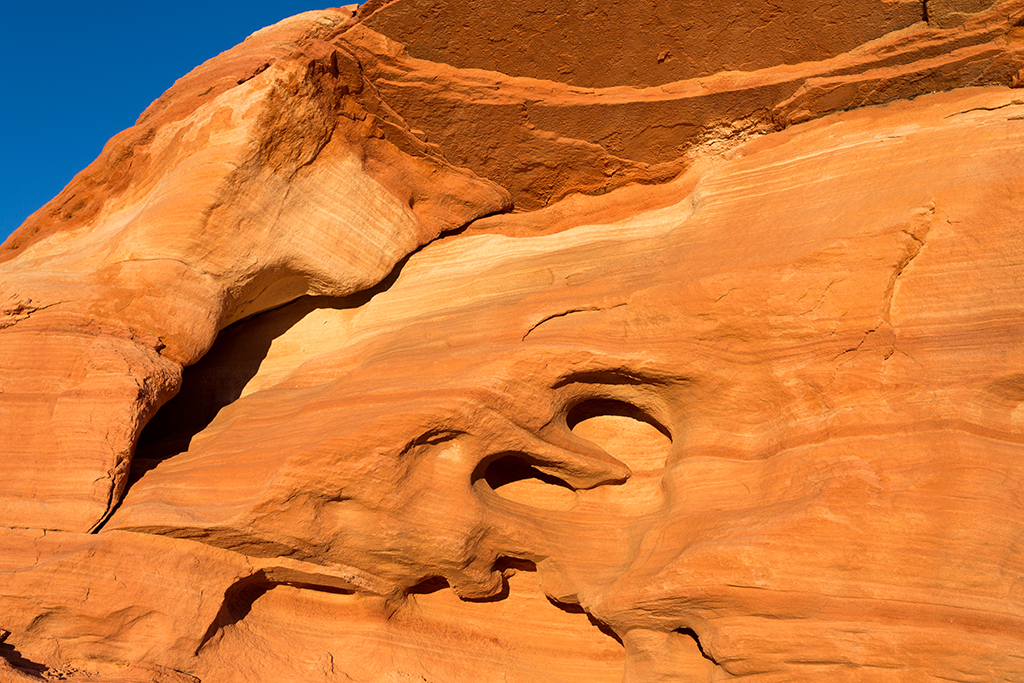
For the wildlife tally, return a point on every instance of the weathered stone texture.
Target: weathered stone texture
(416, 344)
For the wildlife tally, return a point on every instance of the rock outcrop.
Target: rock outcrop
(467, 342)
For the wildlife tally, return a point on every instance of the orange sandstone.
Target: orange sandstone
(505, 362)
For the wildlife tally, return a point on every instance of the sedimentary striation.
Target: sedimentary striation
(461, 342)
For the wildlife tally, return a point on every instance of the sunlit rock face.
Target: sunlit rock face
(376, 353)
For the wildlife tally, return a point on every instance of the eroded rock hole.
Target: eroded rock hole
(431, 585)
(633, 436)
(515, 563)
(602, 407)
(514, 478)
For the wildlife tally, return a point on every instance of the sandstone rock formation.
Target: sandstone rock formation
(466, 342)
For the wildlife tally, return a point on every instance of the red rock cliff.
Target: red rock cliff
(551, 342)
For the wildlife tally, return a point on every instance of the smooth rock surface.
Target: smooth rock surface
(357, 361)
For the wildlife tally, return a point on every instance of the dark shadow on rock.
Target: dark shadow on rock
(238, 601)
(218, 378)
(240, 597)
(594, 621)
(431, 585)
(601, 407)
(17, 661)
(690, 633)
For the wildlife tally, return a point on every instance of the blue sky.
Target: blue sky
(76, 73)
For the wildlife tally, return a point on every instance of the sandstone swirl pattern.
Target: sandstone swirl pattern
(464, 342)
